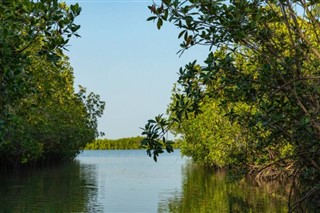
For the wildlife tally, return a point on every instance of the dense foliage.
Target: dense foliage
(203, 140)
(42, 118)
(263, 76)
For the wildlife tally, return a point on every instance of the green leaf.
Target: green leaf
(181, 33)
(305, 120)
(154, 157)
(151, 121)
(159, 23)
(151, 18)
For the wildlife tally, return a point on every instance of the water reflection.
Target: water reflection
(128, 181)
(205, 190)
(70, 187)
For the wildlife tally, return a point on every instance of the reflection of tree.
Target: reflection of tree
(69, 187)
(206, 190)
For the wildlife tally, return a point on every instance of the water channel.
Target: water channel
(129, 181)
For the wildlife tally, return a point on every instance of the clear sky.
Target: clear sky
(127, 61)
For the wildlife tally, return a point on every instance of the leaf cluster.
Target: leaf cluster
(155, 137)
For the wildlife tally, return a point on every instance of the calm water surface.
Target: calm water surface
(129, 181)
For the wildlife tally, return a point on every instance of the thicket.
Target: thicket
(42, 117)
(253, 104)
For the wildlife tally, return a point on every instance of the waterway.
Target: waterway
(127, 181)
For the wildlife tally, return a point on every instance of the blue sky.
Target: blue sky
(127, 61)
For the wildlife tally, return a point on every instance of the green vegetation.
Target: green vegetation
(203, 140)
(42, 118)
(122, 143)
(253, 104)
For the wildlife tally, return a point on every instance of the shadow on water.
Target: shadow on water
(69, 187)
(205, 190)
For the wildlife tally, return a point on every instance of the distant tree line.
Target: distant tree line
(122, 143)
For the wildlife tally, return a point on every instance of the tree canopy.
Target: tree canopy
(42, 118)
(262, 74)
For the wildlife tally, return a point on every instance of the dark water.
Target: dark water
(129, 181)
